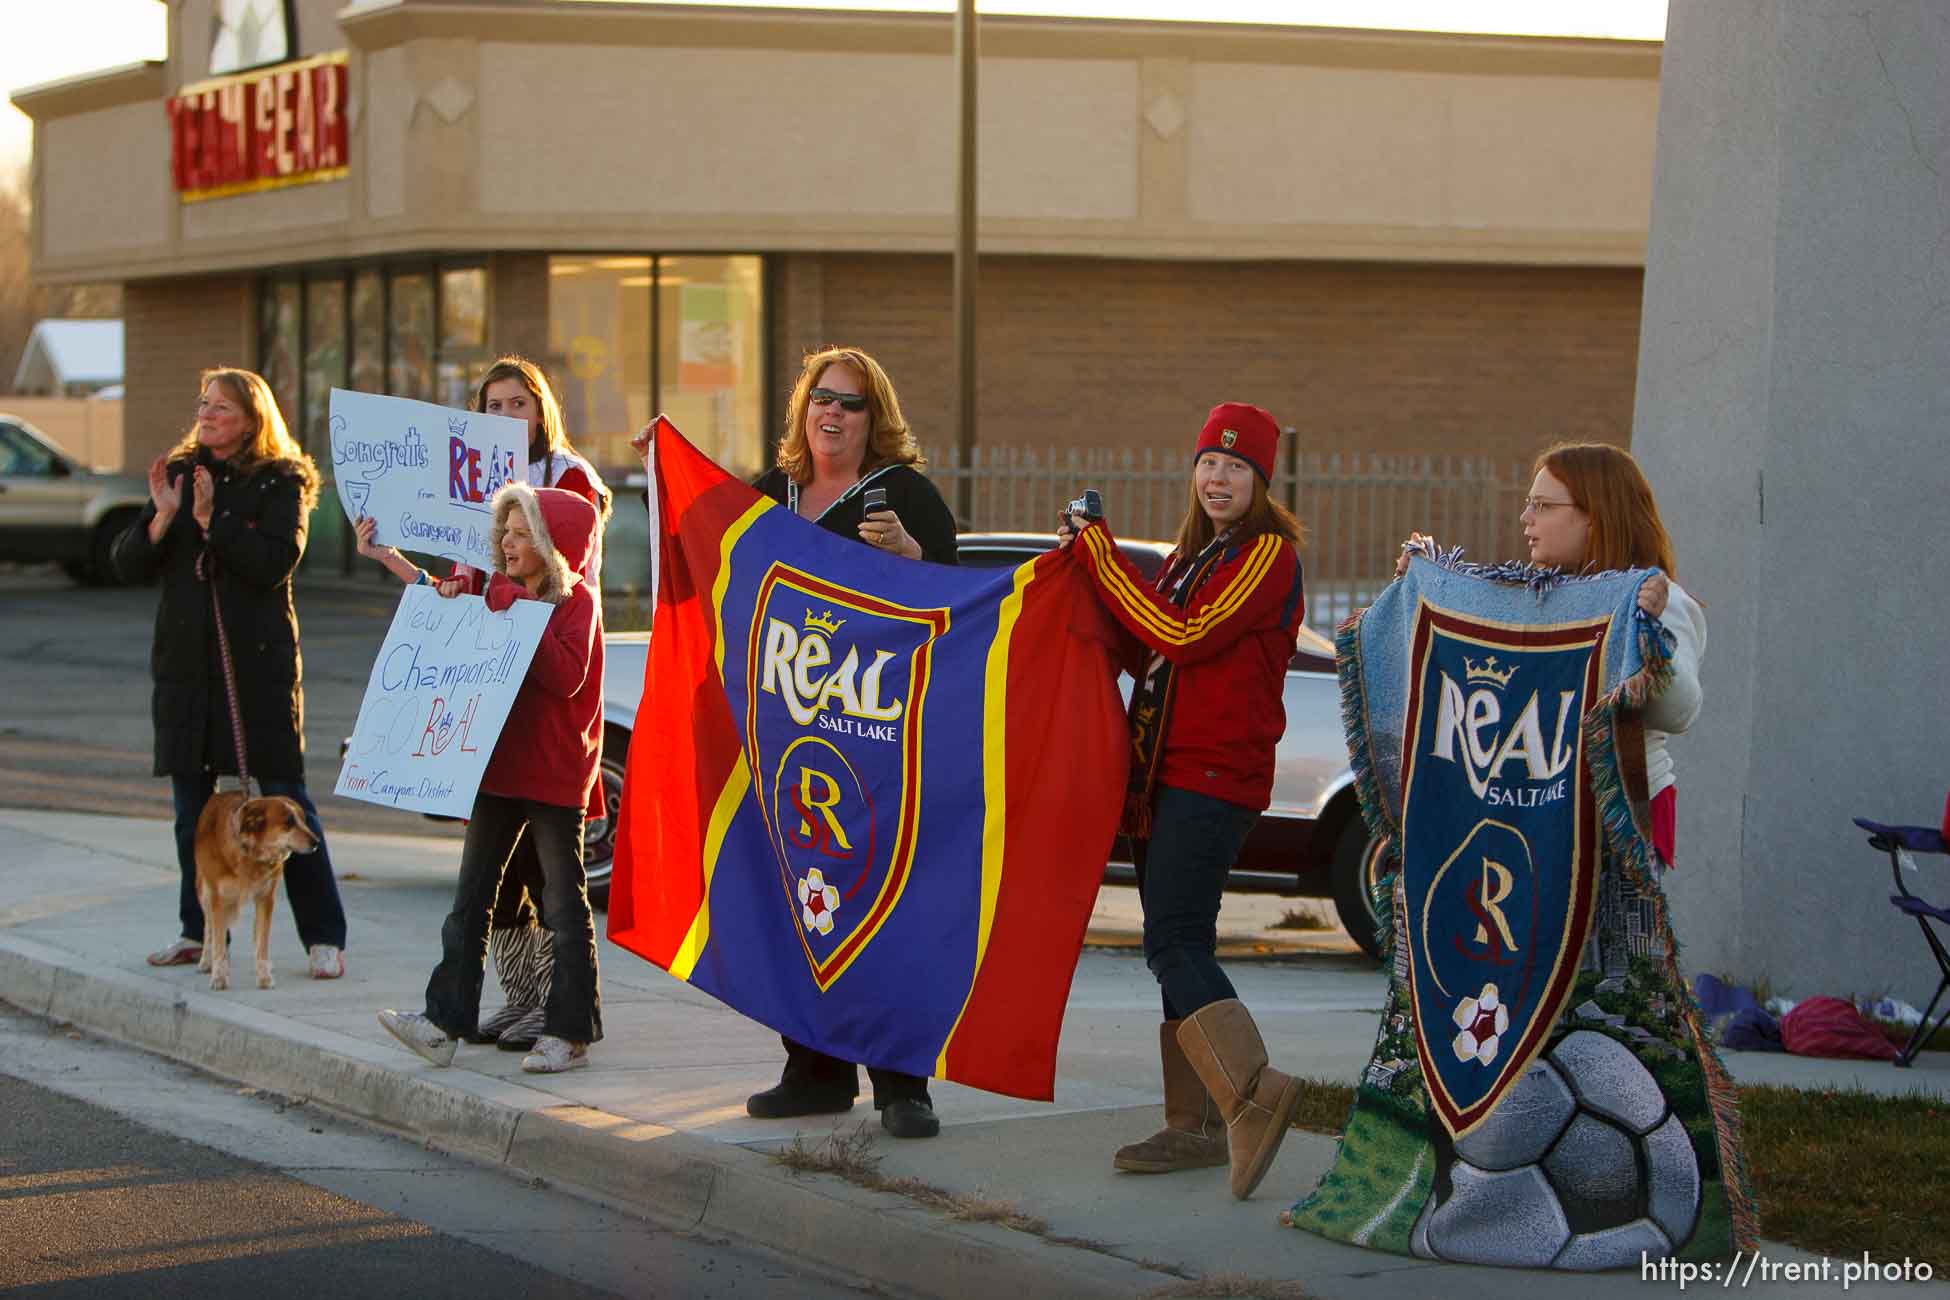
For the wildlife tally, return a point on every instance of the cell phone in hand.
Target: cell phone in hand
(875, 499)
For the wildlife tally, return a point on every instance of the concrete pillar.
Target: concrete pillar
(1793, 414)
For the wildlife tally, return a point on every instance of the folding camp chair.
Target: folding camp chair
(1900, 842)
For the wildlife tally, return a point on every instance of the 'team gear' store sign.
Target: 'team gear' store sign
(260, 130)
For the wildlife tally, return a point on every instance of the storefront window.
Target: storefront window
(368, 372)
(709, 351)
(463, 332)
(599, 351)
(704, 371)
(324, 370)
(280, 339)
(628, 336)
(409, 363)
(324, 362)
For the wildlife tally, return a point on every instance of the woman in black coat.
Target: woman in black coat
(845, 436)
(228, 505)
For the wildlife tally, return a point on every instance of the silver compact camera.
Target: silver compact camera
(1088, 506)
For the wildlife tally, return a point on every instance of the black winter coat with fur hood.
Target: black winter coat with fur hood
(257, 533)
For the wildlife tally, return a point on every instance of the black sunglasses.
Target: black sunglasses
(847, 401)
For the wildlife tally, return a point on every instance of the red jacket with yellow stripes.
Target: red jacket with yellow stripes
(1231, 644)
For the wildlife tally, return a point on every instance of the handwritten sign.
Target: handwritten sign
(438, 696)
(425, 473)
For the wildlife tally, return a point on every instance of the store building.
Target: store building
(1398, 242)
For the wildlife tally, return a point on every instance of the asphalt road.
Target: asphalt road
(75, 727)
(127, 1177)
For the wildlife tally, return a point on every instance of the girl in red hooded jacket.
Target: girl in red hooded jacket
(537, 783)
(1216, 630)
(516, 387)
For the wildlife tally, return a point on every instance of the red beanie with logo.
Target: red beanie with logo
(1243, 430)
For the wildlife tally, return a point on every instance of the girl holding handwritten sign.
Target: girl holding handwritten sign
(538, 781)
(516, 387)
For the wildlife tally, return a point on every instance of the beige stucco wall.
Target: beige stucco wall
(251, 217)
(594, 127)
(109, 189)
(383, 102)
(1469, 156)
(650, 131)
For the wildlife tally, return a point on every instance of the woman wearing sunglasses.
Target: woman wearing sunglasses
(845, 437)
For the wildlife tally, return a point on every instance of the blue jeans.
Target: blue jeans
(308, 879)
(1181, 873)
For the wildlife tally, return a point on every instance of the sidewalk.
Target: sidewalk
(658, 1124)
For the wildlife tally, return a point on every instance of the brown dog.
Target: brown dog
(241, 846)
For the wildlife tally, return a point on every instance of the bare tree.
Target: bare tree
(22, 301)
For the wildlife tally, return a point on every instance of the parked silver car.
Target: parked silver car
(1310, 841)
(54, 508)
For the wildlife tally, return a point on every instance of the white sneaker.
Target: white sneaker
(180, 952)
(553, 1055)
(421, 1035)
(327, 962)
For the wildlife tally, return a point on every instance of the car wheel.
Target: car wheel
(99, 569)
(599, 833)
(1356, 860)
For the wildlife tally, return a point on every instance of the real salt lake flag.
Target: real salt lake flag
(868, 799)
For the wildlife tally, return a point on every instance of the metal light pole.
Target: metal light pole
(965, 179)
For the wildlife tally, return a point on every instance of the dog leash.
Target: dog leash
(206, 572)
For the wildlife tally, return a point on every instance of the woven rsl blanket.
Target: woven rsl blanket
(868, 799)
(1542, 1093)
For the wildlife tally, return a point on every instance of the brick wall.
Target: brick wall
(1416, 359)
(172, 330)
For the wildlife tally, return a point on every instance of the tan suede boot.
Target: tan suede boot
(1224, 1047)
(1193, 1136)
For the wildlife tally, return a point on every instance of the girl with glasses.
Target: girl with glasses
(1590, 509)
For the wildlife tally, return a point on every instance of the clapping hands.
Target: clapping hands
(166, 499)
(203, 498)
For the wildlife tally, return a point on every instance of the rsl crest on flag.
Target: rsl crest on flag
(836, 689)
(842, 814)
(1499, 845)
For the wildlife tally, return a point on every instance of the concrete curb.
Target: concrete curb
(672, 1177)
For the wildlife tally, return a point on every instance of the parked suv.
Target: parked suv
(54, 508)
(1310, 841)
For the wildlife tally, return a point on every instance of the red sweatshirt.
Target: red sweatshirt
(1230, 644)
(550, 748)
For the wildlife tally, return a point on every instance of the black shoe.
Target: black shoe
(908, 1118)
(790, 1099)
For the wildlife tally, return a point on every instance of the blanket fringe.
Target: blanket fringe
(1381, 820)
(1540, 578)
(1633, 854)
